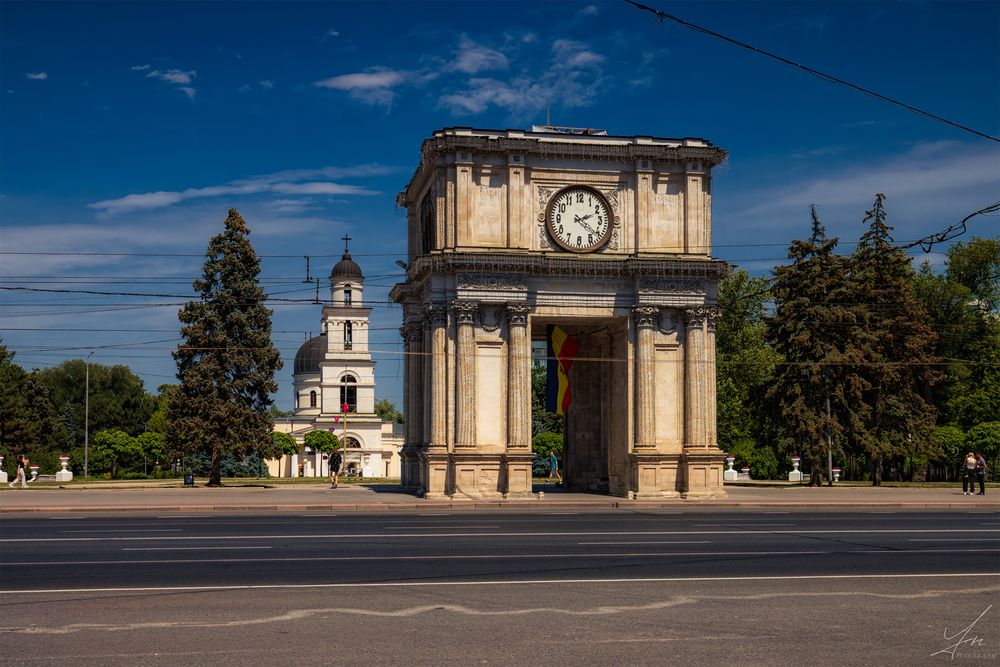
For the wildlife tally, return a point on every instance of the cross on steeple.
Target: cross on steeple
(346, 240)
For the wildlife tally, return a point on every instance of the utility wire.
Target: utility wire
(664, 16)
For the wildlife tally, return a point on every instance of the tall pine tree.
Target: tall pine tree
(226, 364)
(899, 365)
(810, 329)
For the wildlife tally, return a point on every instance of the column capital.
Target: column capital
(697, 316)
(646, 317)
(465, 311)
(436, 314)
(517, 314)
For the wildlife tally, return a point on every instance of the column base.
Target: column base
(434, 479)
(654, 475)
(476, 476)
(516, 480)
(702, 469)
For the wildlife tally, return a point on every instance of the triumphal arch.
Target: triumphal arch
(606, 237)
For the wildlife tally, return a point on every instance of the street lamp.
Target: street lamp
(86, 418)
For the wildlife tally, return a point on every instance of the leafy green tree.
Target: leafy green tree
(976, 265)
(285, 443)
(810, 330)
(118, 399)
(978, 400)
(277, 413)
(387, 411)
(116, 449)
(151, 445)
(322, 441)
(985, 438)
(227, 362)
(542, 421)
(546, 443)
(746, 362)
(950, 448)
(17, 427)
(898, 350)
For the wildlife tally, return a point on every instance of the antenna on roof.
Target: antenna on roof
(548, 109)
(316, 300)
(308, 279)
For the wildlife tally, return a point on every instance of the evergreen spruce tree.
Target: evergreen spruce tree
(810, 331)
(894, 336)
(226, 364)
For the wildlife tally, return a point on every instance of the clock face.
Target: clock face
(579, 219)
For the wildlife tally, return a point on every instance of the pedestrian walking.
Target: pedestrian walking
(22, 472)
(969, 475)
(335, 462)
(554, 467)
(981, 472)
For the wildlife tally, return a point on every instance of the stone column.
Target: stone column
(465, 376)
(702, 457)
(695, 385)
(408, 452)
(645, 318)
(518, 456)
(415, 358)
(434, 468)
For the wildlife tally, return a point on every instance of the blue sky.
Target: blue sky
(132, 127)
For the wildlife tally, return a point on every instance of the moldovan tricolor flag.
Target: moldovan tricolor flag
(561, 351)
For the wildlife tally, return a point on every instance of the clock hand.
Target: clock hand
(580, 220)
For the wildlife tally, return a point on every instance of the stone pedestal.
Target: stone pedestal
(729, 475)
(3, 477)
(517, 469)
(703, 470)
(795, 475)
(64, 475)
(435, 464)
(655, 475)
(476, 476)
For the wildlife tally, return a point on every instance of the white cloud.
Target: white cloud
(36, 76)
(289, 182)
(329, 34)
(572, 54)
(928, 188)
(266, 84)
(175, 76)
(375, 86)
(472, 58)
(180, 79)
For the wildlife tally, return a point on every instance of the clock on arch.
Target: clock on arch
(579, 219)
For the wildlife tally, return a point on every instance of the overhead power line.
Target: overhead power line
(664, 16)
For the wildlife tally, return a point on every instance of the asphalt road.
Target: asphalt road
(506, 587)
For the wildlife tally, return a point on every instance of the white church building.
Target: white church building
(333, 369)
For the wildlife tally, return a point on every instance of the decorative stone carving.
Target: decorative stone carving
(672, 286)
(491, 281)
(646, 317)
(517, 314)
(612, 196)
(490, 318)
(435, 314)
(671, 328)
(465, 311)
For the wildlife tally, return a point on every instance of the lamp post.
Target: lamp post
(86, 418)
(343, 447)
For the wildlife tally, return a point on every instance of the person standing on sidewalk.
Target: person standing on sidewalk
(981, 472)
(969, 475)
(554, 467)
(22, 472)
(335, 462)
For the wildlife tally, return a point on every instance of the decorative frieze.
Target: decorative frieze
(497, 281)
(672, 286)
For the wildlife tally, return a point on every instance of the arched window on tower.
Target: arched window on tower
(349, 393)
(348, 336)
(347, 294)
(312, 399)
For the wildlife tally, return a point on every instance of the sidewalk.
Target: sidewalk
(366, 497)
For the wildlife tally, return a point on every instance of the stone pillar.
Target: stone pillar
(465, 376)
(702, 456)
(645, 318)
(407, 452)
(434, 473)
(518, 456)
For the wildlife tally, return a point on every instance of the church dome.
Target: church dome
(310, 354)
(346, 269)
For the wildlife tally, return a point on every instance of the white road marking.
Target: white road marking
(954, 539)
(127, 530)
(186, 549)
(636, 554)
(410, 527)
(543, 534)
(185, 516)
(612, 543)
(759, 524)
(513, 582)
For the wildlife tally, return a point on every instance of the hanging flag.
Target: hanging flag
(561, 351)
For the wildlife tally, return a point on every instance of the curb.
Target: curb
(517, 505)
